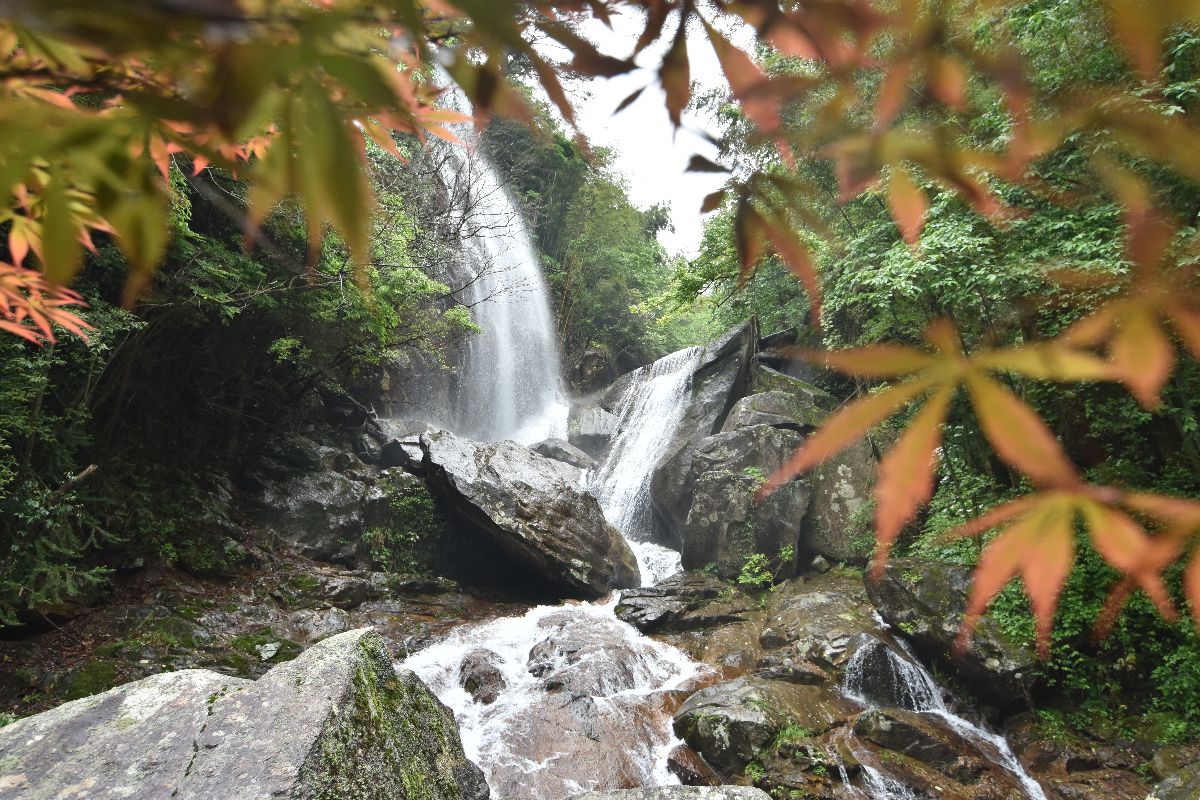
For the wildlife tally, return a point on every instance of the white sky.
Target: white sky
(649, 153)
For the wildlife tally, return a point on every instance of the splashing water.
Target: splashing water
(647, 418)
(511, 385)
(582, 702)
(911, 687)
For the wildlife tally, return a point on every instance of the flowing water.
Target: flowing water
(907, 684)
(647, 418)
(510, 385)
(584, 697)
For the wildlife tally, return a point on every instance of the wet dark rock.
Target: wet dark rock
(480, 676)
(916, 737)
(337, 721)
(531, 507)
(680, 793)
(719, 379)
(690, 768)
(926, 601)
(730, 722)
(791, 669)
(667, 605)
(565, 452)
(592, 371)
(583, 659)
(840, 490)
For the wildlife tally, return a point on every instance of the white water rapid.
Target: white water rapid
(914, 689)
(582, 698)
(510, 384)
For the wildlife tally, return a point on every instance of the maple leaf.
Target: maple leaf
(906, 473)
(1037, 543)
(1134, 324)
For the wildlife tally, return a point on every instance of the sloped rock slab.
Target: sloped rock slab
(533, 509)
(336, 722)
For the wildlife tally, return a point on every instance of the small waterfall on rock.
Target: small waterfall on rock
(569, 698)
(877, 676)
(647, 418)
(511, 385)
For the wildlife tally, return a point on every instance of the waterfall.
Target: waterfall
(647, 417)
(911, 687)
(511, 384)
(583, 697)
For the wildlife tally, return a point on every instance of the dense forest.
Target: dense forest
(138, 450)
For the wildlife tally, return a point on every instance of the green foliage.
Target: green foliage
(408, 544)
(756, 572)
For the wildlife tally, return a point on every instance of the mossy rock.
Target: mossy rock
(95, 676)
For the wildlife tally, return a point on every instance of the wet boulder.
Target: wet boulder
(338, 721)
(531, 508)
(926, 600)
(821, 621)
(726, 523)
(690, 768)
(720, 377)
(480, 676)
(1183, 785)
(730, 722)
(565, 452)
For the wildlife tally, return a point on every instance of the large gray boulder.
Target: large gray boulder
(926, 600)
(841, 488)
(680, 793)
(726, 523)
(533, 509)
(338, 721)
(721, 376)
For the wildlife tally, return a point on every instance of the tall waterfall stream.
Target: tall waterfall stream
(580, 699)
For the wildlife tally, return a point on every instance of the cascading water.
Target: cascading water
(647, 417)
(580, 700)
(910, 686)
(510, 385)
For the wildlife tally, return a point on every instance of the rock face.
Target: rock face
(1183, 785)
(726, 523)
(721, 376)
(531, 507)
(336, 722)
(779, 408)
(926, 600)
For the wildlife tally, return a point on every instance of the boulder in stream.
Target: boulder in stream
(338, 721)
(533, 509)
